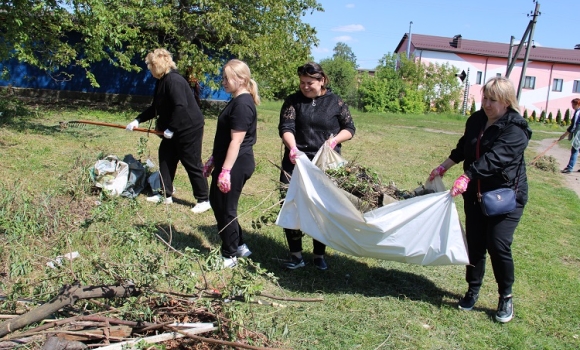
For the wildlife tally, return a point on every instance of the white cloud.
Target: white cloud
(349, 28)
(342, 38)
(320, 49)
(349, 6)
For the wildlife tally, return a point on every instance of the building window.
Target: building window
(557, 85)
(576, 87)
(530, 82)
(498, 75)
(478, 78)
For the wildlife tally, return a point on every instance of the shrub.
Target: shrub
(543, 117)
(567, 117)
(473, 108)
(550, 118)
(534, 117)
(526, 117)
(559, 117)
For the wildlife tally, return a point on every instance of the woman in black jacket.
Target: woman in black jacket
(492, 150)
(180, 119)
(309, 118)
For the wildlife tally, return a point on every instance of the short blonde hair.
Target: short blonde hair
(501, 89)
(160, 62)
(240, 71)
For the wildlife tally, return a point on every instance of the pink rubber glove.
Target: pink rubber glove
(332, 142)
(208, 167)
(460, 185)
(224, 180)
(439, 171)
(293, 154)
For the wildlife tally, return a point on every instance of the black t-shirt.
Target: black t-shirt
(240, 115)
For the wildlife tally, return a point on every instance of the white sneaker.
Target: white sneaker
(230, 262)
(243, 251)
(160, 199)
(200, 207)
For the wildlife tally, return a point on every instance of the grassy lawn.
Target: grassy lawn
(47, 209)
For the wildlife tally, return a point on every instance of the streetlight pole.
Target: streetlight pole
(409, 41)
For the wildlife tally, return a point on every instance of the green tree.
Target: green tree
(550, 118)
(343, 51)
(441, 87)
(473, 108)
(269, 35)
(533, 117)
(342, 75)
(525, 114)
(567, 117)
(559, 117)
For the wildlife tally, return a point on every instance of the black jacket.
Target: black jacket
(312, 121)
(174, 103)
(501, 153)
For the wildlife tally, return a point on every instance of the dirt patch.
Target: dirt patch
(562, 156)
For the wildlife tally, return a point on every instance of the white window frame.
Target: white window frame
(576, 87)
(478, 77)
(529, 82)
(557, 84)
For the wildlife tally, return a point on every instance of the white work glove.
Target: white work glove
(168, 134)
(132, 125)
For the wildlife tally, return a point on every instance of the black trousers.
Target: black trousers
(225, 205)
(187, 150)
(294, 237)
(493, 235)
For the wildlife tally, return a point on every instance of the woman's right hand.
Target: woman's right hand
(439, 171)
(293, 154)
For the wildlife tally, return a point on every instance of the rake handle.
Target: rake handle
(118, 126)
(544, 152)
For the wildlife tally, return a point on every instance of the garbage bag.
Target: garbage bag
(423, 230)
(110, 174)
(137, 177)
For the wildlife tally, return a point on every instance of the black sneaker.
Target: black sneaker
(320, 263)
(466, 303)
(566, 171)
(294, 263)
(505, 309)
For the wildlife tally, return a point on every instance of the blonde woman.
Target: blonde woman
(492, 151)
(180, 118)
(232, 163)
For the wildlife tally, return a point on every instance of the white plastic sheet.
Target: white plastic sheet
(423, 230)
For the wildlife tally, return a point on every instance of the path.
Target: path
(562, 155)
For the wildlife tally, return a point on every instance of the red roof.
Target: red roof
(486, 48)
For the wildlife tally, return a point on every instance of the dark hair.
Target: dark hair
(576, 101)
(313, 70)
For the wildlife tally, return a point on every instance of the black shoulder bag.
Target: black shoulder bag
(496, 202)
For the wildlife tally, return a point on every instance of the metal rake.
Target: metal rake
(81, 123)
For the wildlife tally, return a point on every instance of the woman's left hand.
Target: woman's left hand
(460, 185)
(224, 180)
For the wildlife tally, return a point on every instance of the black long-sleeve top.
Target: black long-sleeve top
(501, 153)
(174, 103)
(313, 121)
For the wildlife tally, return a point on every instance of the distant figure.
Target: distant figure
(180, 118)
(573, 132)
(492, 151)
(232, 162)
(309, 118)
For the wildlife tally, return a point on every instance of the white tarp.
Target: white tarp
(423, 230)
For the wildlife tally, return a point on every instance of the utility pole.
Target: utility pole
(409, 41)
(529, 33)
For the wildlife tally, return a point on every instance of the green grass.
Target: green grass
(47, 209)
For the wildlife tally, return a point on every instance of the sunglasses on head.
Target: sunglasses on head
(308, 69)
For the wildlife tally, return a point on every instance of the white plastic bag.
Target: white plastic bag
(423, 230)
(111, 175)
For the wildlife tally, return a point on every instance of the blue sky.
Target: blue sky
(373, 28)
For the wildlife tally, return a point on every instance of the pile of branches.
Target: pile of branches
(177, 321)
(365, 184)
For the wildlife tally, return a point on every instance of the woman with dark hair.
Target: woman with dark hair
(492, 151)
(180, 118)
(309, 118)
(573, 131)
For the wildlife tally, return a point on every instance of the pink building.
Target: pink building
(552, 77)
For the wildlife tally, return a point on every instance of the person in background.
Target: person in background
(309, 118)
(232, 162)
(572, 132)
(180, 118)
(492, 150)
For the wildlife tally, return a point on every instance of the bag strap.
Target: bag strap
(477, 157)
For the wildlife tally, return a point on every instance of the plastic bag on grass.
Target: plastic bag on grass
(110, 174)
